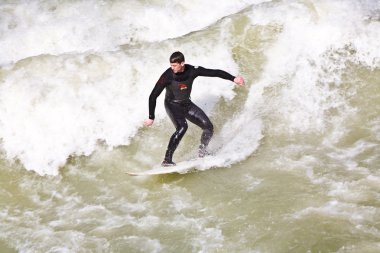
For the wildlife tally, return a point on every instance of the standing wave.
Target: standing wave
(295, 56)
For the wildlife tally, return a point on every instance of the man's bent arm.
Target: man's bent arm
(158, 88)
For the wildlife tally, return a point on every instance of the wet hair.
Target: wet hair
(177, 57)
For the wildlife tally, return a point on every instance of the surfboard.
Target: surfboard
(181, 168)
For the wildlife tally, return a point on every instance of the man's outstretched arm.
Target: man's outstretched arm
(221, 74)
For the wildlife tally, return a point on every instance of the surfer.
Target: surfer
(178, 81)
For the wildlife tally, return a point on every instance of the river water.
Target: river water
(297, 150)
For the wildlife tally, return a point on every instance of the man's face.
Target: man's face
(177, 67)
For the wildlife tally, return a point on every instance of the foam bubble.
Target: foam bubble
(336, 209)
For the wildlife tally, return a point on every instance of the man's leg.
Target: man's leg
(175, 112)
(197, 116)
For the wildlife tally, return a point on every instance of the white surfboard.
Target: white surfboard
(181, 168)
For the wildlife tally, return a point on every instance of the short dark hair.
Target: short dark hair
(177, 57)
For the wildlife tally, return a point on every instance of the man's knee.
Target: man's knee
(209, 127)
(182, 128)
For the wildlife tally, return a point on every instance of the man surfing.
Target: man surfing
(178, 81)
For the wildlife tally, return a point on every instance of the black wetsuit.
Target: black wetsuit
(178, 105)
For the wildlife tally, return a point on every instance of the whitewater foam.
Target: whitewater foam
(52, 107)
(34, 28)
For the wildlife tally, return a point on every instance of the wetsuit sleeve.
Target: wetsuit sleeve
(200, 71)
(157, 90)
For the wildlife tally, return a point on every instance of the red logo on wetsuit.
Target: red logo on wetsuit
(183, 86)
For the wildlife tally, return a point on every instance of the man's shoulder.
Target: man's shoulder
(193, 68)
(168, 73)
(165, 77)
(189, 66)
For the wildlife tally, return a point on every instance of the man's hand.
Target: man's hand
(239, 80)
(148, 122)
